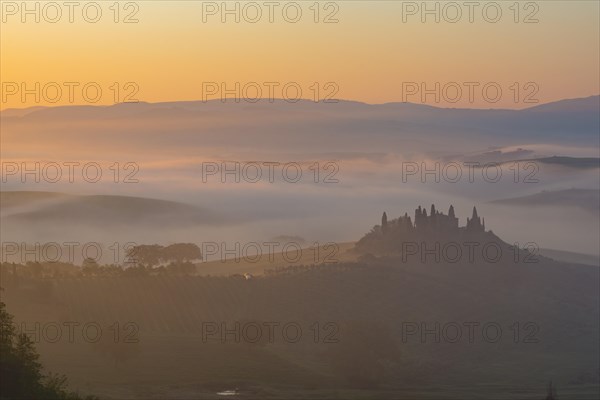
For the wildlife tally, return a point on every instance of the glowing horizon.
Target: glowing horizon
(170, 53)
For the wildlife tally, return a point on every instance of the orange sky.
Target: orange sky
(370, 54)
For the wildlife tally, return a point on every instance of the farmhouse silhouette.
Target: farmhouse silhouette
(425, 228)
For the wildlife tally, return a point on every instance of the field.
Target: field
(186, 337)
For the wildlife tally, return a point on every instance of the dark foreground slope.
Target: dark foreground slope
(384, 327)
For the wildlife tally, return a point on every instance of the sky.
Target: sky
(503, 54)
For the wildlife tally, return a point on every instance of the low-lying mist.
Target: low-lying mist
(227, 172)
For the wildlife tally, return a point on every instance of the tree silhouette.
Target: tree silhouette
(21, 374)
(180, 252)
(551, 392)
(155, 254)
(145, 254)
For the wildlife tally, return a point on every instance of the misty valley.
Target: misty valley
(294, 200)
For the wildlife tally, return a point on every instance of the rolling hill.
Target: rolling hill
(585, 199)
(27, 208)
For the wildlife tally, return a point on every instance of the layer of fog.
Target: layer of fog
(374, 151)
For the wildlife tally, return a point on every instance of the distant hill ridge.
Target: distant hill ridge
(585, 199)
(573, 162)
(590, 103)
